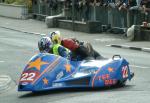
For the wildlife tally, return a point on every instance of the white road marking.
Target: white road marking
(139, 66)
(41, 34)
(106, 39)
(108, 45)
(146, 49)
(2, 61)
(125, 46)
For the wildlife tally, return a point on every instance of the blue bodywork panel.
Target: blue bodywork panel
(47, 71)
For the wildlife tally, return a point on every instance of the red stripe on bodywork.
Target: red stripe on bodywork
(51, 66)
(95, 77)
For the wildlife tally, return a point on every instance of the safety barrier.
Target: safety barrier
(41, 10)
(106, 15)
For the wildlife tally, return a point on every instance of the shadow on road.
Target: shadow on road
(73, 90)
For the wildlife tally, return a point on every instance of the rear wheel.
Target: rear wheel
(121, 83)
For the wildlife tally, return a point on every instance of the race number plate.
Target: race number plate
(29, 76)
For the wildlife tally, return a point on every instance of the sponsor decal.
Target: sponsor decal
(103, 77)
(59, 75)
(125, 71)
(88, 70)
(24, 83)
(110, 82)
(57, 85)
(107, 80)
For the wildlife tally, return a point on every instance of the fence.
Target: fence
(106, 15)
(42, 9)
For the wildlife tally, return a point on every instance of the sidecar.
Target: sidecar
(48, 71)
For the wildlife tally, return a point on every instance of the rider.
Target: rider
(80, 49)
(46, 45)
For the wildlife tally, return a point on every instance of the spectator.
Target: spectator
(122, 7)
(134, 16)
(133, 5)
(77, 5)
(105, 3)
(96, 2)
(99, 2)
(53, 4)
(138, 2)
(111, 3)
(146, 5)
(67, 3)
(85, 10)
(111, 12)
(146, 8)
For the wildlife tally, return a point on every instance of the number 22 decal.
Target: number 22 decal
(125, 71)
(27, 77)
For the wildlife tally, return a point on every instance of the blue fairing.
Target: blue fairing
(47, 71)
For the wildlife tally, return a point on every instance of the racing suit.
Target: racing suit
(79, 50)
(57, 49)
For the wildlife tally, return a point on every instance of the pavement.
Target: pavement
(5, 82)
(140, 46)
(36, 27)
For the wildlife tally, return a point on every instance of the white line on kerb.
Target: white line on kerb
(108, 45)
(139, 66)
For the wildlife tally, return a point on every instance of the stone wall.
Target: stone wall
(88, 27)
(13, 11)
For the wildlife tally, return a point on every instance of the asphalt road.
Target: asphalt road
(17, 48)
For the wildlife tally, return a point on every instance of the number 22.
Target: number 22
(27, 76)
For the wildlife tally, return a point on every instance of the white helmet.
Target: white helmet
(45, 44)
